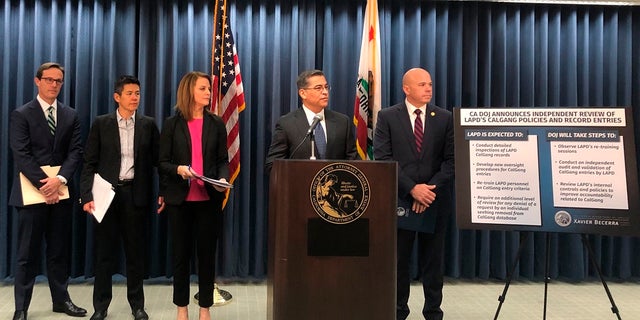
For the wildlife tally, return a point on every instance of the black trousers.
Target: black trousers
(51, 223)
(196, 222)
(126, 222)
(431, 262)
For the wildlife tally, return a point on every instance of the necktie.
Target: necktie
(321, 141)
(51, 121)
(418, 131)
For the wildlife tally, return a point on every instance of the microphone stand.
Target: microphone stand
(313, 147)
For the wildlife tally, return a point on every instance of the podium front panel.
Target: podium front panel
(332, 240)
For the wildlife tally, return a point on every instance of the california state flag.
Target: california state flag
(368, 99)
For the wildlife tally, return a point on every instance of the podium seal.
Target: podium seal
(339, 193)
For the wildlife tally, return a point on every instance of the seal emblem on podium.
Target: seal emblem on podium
(340, 193)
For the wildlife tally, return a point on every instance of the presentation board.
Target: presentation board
(547, 169)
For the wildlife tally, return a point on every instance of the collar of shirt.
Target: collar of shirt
(411, 108)
(119, 117)
(310, 115)
(45, 106)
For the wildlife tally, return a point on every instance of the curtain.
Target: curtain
(480, 54)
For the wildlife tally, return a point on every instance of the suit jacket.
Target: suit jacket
(33, 145)
(291, 130)
(175, 150)
(394, 141)
(102, 155)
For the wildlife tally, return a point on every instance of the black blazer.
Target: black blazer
(102, 155)
(33, 145)
(394, 141)
(291, 129)
(175, 150)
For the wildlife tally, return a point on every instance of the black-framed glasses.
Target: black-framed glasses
(48, 80)
(319, 88)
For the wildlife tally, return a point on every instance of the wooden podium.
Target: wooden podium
(332, 253)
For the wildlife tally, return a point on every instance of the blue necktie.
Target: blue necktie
(321, 141)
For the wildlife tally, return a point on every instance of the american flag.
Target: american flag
(227, 99)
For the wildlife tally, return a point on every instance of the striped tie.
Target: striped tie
(418, 131)
(51, 121)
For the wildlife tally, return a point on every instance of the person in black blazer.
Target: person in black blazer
(122, 148)
(291, 129)
(37, 141)
(193, 142)
(425, 177)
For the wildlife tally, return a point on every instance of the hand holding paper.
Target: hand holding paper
(102, 196)
(221, 183)
(33, 195)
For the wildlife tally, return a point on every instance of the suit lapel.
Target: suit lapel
(36, 110)
(302, 124)
(330, 123)
(206, 128)
(182, 126)
(113, 131)
(407, 129)
(137, 135)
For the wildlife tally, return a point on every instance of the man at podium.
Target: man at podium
(425, 175)
(332, 131)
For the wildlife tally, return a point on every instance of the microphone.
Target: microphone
(316, 119)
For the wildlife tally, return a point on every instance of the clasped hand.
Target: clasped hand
(423, 197)
(51, 190)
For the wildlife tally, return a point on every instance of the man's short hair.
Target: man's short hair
(125, 79)
(46, 66)
(303, 78)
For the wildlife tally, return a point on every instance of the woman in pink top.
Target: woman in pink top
(193, 141)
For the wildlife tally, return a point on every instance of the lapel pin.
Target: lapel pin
(433, 114)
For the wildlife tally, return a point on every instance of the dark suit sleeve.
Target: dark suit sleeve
(382, 140)
(350, 146)
(155, 149)
(91, 159)
(20, 141)
(165, 167)
(279, 148)
(222, 154)
(383, 150)
(155, 142)
(447, 167)
(74, 149)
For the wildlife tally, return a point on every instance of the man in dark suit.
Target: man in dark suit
(425, 170)
(291, 129)
(44, 132)
(122, 148)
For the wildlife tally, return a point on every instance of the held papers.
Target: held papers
(31, 194)
(102, 196)
(215, 182)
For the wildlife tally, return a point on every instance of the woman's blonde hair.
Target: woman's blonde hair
(185, 98)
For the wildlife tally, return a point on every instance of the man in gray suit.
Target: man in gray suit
(44, 132)
(419, 136)
(289, 139)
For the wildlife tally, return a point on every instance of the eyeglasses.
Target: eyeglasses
(319, 88)
(48, 80)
